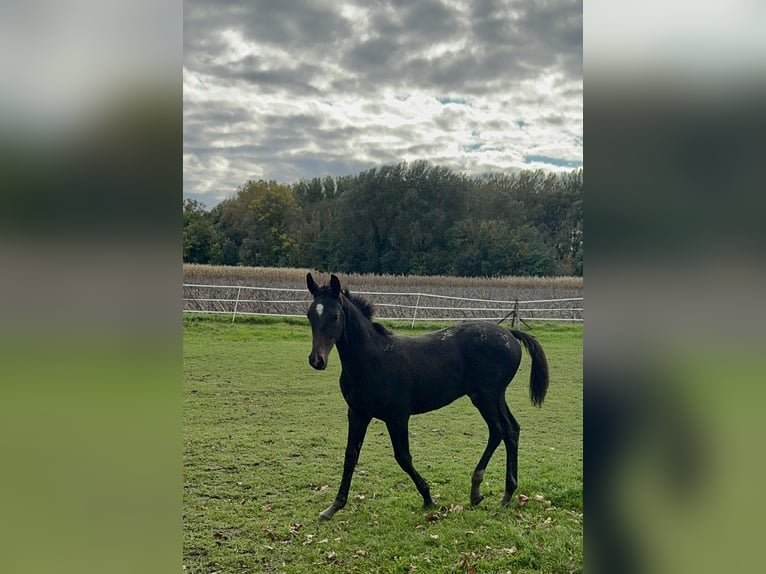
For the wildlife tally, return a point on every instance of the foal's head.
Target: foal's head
(326, 317)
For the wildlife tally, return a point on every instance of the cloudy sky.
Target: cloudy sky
(290, 89)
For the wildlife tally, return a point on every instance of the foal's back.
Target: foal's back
(466, 359)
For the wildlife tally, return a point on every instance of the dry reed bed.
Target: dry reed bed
(494, 288)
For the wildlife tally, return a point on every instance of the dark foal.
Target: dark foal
(391, 378)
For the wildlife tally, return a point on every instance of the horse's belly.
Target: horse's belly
(427, 398)
(379, 405)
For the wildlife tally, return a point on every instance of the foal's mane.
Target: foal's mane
(367, 309)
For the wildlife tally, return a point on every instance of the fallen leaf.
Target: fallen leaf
(269, 534)
(266, 507)
(511, 550)
(523, 499)
(466, 559)
(220, 535)
(361, 552)
(331, 556)
(434, 536)
(539, 498)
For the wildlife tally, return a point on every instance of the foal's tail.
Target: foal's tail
(538, 379)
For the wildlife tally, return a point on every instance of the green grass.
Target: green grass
(264, 436)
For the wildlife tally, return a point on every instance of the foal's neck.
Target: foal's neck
(359, 332)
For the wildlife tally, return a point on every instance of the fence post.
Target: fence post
(515, 316)
(236, 303)
(415, 314)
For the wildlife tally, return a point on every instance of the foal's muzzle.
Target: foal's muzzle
(318, 361)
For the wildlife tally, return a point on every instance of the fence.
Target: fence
(284, 302)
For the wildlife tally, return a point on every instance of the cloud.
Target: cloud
(285, 89)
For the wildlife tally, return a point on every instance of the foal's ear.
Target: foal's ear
(335, 285)
(312, 285)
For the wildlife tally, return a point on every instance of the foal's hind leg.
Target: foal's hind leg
(489, 409)
(511, 431)
(397, 430)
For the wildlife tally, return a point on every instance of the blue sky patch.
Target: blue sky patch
(450, 100)
(552, 161)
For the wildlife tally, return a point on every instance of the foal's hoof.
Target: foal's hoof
(476, 499)
(328, 512)
(429, 504)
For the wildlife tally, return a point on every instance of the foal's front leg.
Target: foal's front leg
(357, 428)
(397, 430)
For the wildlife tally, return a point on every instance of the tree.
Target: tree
(408, 218)
(259, 224)
(394, 219)
(485, 248)
(200, 240)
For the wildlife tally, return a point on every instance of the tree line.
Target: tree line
(410, 218)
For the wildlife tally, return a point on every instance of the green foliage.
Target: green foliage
(403, 219)
(258, 225)
(200, 239)
(264, 436)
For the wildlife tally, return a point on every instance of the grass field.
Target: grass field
(264, 436)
